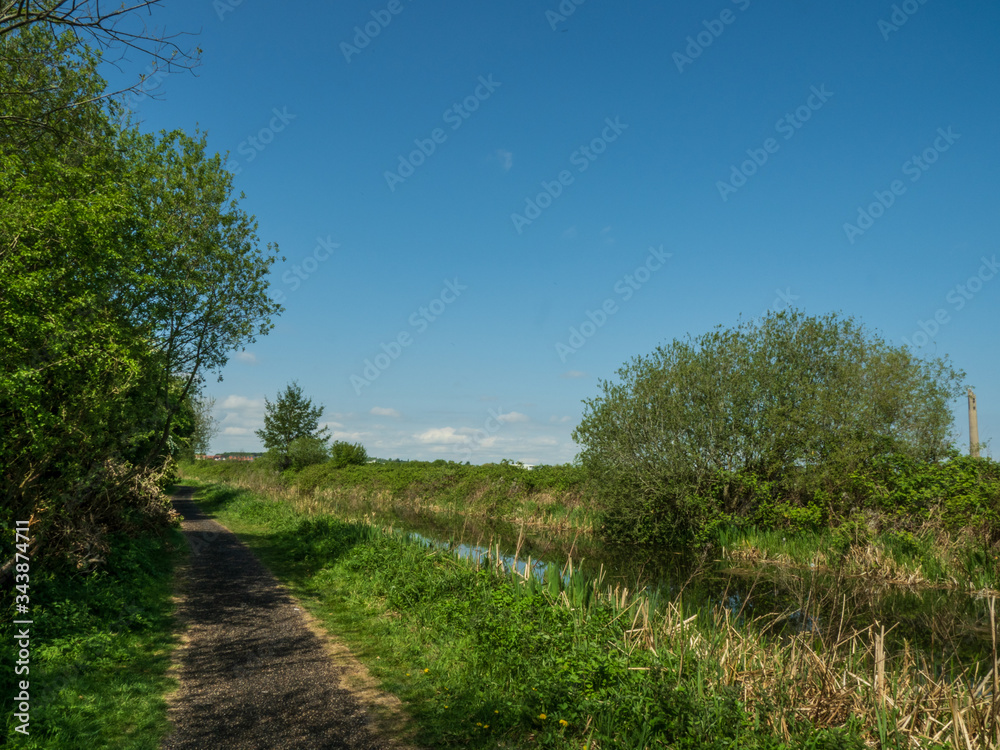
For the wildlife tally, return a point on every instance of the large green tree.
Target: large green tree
(290, 418)
(127, 272)
(797, 403)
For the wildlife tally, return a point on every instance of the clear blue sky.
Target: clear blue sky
(636, 131)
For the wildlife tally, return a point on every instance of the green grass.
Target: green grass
(482, 659)
(927, 556)
(545, 496)
(100, 650)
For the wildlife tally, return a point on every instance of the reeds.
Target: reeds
(825, 679)
(937, 558)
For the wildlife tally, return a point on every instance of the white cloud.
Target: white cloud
(558, 420)
(249, 357)
(570, 233)
(573, 374)
(381, 411)
(347, 437)
(441, 436)
(242, 403)
(513, 416)
(506, 159)
(239, 417)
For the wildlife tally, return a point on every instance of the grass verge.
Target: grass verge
(482, 657)
(548, 496)
(99, 650)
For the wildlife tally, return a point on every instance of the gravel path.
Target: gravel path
(252, 674)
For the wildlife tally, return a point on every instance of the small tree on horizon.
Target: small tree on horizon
(290, 417)
(206, 426)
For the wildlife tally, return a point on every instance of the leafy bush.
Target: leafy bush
(306, 451)
(792, 407)
(348, 454)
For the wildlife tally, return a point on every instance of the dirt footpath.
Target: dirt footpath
(253, 670)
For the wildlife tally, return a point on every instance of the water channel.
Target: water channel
(947, 626)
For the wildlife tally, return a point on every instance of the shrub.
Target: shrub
(348, 454)
(306, 451)
(789, 407)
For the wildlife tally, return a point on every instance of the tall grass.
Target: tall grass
(929, 556)
(486, 656)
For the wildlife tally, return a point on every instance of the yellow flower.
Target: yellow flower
(564, 722)
(426, 671)
(543, 717)
(479, 723)
(407, 674)
(496, 712)
(486, 726)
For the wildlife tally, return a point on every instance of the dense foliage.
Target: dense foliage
(127, 271)
(790, 410)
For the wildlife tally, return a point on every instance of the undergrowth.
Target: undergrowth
(100, 645)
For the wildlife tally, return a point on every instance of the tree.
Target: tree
(127, 272)
(74, 21)
(206, 426)
(291, 416)
(791, 406)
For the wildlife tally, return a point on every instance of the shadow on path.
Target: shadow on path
(251, 673)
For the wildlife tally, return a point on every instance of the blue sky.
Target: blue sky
(458, 193)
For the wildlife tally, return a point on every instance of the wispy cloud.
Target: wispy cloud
(248, 357)
(441, 436)
(512, 417)
(573, 374)
(382, 411)
(506, 159)
(558, 420)
(242, 403)
(239, 417)
(348, 437)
